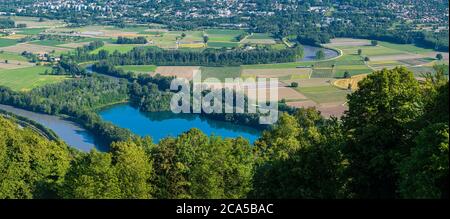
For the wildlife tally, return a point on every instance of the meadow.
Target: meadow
(11, 56)
(138, 68)
(25, 79)
(7, 42)
(220, 73)
(324, 94)
(223, 35)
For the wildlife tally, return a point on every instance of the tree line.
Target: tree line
(207, 57)
(136, 40)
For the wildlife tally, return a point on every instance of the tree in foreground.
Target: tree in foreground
(300, 158)
(378, 126)
(30, 165)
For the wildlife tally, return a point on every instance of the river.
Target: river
(71, 133)
(310, 53)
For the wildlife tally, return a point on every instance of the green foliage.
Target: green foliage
(30, 165)
(424, 174)
(378, 126)
(300, 158)
(195, 166)
(134, 170)
(124, 173)
(91, 176)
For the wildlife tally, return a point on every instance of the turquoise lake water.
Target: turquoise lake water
(159, 125)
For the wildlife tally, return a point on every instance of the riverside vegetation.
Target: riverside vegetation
(391, 143)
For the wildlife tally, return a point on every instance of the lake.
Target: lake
(71, 133)
(159, 125)
(310, 53)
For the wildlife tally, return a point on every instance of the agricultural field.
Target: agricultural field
(138, 68)
(21, 47)
(259, 38)
(121, 48)
(351, 83)
(220, 73)
(14, 64)
(223, 35)
(11, 56)
(324, 94)
(30, 31)
(218, 45)
(321, 82)
(186, 72)
(282, 73)
(24, 79)
(4, 42)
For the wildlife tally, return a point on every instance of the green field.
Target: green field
(223, 35)
(115, 47)
(138, 68)
(11, 56)
(220, 72)
(324, 94)
(259, 36)
(47, 42)
(24, 79)
(222, 44)
(30, 31)
(7, 42)
(405, 47)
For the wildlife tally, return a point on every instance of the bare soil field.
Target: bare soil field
(177, 71)
(276, 73)
(327, 110)
(285, 93)
(302, 104)
(398, 57)
(348, 42)
(14, 64)
(414, 62)
(312, 82)
(73, 45)
(332, 109)
(21, 47)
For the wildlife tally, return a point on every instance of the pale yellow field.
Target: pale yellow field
(14, 36)
(276, 73)
(348, 42)
(177, 71)
(191, 45)
(74, 45)
(396, 57)
(21, 47)
(343, 83)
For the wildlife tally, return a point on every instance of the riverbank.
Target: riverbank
(70, 132)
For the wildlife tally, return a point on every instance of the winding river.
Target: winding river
(310, 53)
(72, 133)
